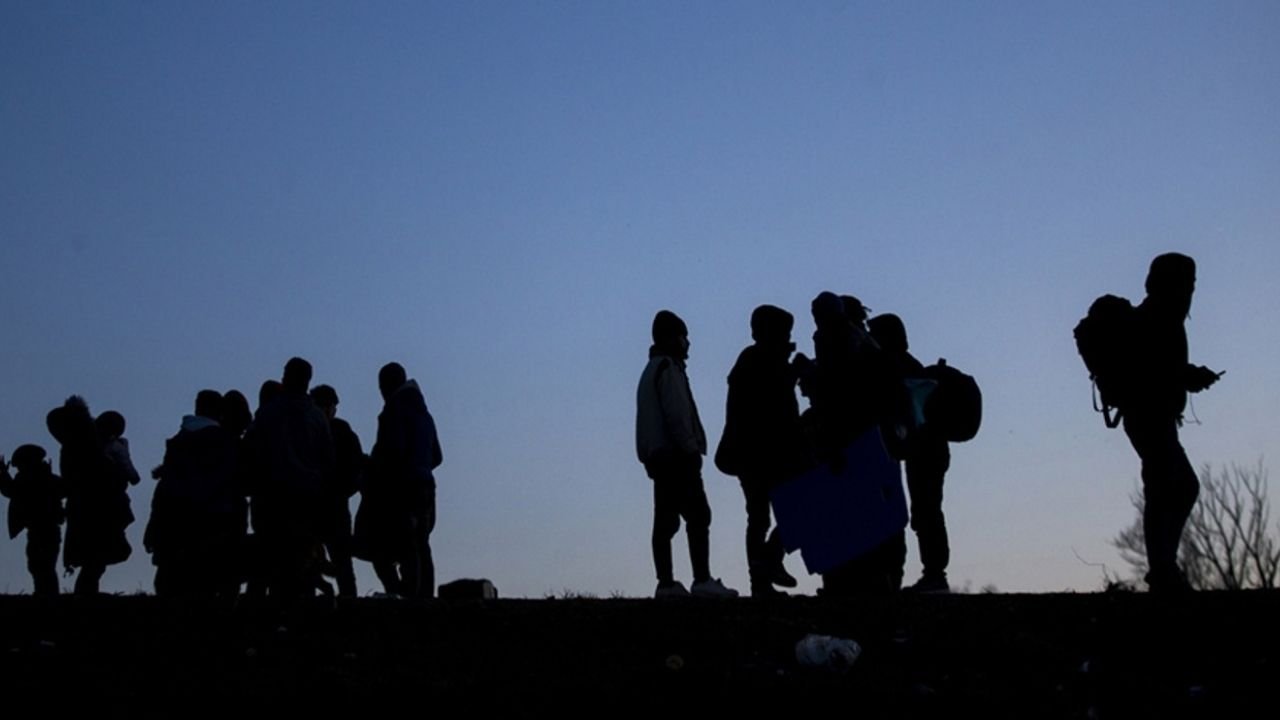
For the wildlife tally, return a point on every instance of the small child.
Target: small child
(110, 425)
(35, 505)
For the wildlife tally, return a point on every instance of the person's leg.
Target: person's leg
(1169, 489)
(926, 470)
(88, 579)
(666, 523)
(697, 523)
(761, 560)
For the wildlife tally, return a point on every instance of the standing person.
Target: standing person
(35, 505)
(290, 459)
(763, 444)
(1159, 382)
(927, 457)
(348, 469)
(98, 509)
(670, 443)
(195, 529)
(398, 503)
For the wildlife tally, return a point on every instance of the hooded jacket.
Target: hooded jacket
(667, 423)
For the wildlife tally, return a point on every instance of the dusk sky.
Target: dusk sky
(500, 195)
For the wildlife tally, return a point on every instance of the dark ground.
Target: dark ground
(1085, 655)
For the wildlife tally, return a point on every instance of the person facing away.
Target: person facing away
(1160, 379)
(670, 443)
(98, 508)
(348, 468)
(195, 529)
(927, 458)
(398, 501)
(290, 457)
(35, 505)
(763, 444)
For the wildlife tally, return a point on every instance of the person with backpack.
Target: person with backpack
(927, 458)
(35, 505)
(670, 443)
(1157, 383)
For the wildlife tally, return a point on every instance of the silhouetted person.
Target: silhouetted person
(195, 530)
(848, 386)
(1153, 409)
(98, 509)
(398, 502)
(670, 442)
(763, 443)
(115, 445)
(349, 462)
(290, 456)
(927, 457)
(35, 505)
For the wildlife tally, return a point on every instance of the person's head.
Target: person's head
(297, 376)
(71, 422)
(28, 457)
(110, 425)
(888, 332)
(209, 405)
(235, 412)
(269, 391)
(325, 398)
(827, 310)
(854, 310)
(391, 378)
(1171, 282)
(771, 327)
(670, 334)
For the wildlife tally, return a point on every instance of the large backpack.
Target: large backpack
(955, 406)
(1104, 338)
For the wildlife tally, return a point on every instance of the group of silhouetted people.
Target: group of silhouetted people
(261, 500)
(858, 380)
(252, 502)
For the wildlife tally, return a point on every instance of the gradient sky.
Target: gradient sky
(499, 195)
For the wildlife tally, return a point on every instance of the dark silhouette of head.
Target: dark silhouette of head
(771, 325)
(297, 376)
(888, 332)
(235, 412)
(209, 404)
(71, 422)
(827, 311)
(854, 310)
(670, 334)
(391, 378)
(27, 457)
(325, 398)
(1171, 282)
(110, 424)
(269, 391)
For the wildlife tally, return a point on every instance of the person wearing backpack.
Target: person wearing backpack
(1153, 402)
(927, 457)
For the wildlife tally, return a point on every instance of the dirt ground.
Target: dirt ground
(1073, 655)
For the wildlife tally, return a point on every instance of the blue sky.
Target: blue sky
(500, 196)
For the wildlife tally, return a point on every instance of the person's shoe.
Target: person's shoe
(713, 588)
(768, 593)
(782, 578)
(670, 589)
(930, 584)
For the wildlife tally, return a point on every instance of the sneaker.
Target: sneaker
(670, 590)
(713, 588)
(782, 578)
(930, 584)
